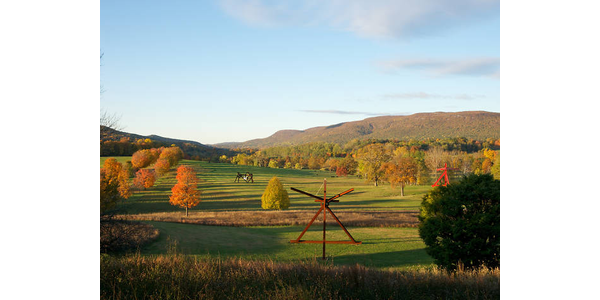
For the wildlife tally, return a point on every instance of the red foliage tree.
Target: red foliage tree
(144, 179)
(341, 171)
(185, 193)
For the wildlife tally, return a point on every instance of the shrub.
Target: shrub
(122, 236)
(461, 222)
(275, 196)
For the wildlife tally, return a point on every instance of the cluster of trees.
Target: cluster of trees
(114, 176)
(397, 162)
(125, 146)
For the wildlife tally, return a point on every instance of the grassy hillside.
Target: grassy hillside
(477, 125)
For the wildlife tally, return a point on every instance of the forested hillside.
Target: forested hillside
(119, 143)
(478, 125)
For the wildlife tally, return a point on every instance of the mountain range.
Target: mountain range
(478, 125)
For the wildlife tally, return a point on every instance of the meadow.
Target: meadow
(229, 247)
(378, 216)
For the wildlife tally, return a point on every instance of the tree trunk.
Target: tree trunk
(186, 211)
(402, 189)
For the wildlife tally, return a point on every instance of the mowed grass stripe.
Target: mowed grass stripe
(220, 192)
(389, 248)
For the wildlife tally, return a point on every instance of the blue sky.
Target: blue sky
(230, 70)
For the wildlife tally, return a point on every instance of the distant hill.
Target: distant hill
(478, 125)
(190, 148)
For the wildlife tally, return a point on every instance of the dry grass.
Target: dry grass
(284, 217)
(181, 277)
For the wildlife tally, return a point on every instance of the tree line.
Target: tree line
(396, 162)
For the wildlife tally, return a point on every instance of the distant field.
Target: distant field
(220, 193)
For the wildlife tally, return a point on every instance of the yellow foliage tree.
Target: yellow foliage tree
(401, 172)
(275, 196)
(114, 184)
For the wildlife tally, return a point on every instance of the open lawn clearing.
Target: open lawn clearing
(382, 247)
(221, 193)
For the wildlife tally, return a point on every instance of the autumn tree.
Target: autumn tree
(275, 196)
(185, 193)
(144, 178)
(141, 158)
(370, 159)
(172, 154)
(496, 166)
(114, 184)
(162, 166)
(400, 172)
(435, 158)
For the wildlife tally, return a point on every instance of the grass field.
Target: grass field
(383, 247)
(219, 192)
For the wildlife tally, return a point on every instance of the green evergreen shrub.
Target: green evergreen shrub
(461, 222)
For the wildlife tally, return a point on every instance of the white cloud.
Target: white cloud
(487, 66)
(373, 19)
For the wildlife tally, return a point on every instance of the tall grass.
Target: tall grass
(175, 276)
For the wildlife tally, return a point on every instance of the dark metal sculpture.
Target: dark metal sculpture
(248, 177)
(325, 208)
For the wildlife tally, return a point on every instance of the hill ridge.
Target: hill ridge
(477, 125)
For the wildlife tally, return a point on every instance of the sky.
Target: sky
(230, 70)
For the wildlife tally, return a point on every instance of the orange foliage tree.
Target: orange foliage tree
(141, 159)
(172, 154)
(400, 172)
(114, 184)
(162, 166)
(144, 178)
(185, 193)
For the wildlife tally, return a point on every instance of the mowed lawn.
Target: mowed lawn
(386, 248)
(382, 247)
(220, 192)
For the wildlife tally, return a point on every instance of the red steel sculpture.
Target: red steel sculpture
(444, 175)
(325, 208)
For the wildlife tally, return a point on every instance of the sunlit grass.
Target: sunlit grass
(220, 192)
(381, 247)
